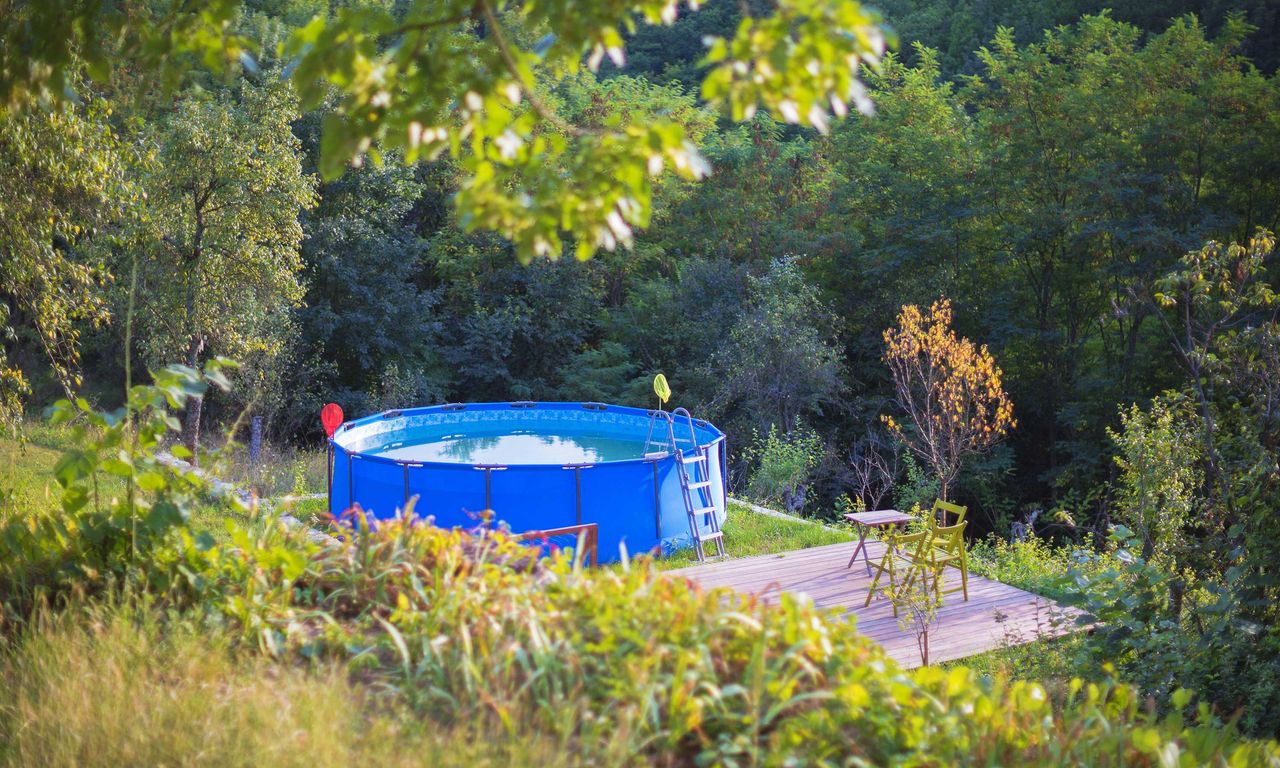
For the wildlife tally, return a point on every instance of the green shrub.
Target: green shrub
(919, 489)
(1204, 643)
(472, 628)
(783, 462)
(1032, 564)
(1160, 475)
(466, 629)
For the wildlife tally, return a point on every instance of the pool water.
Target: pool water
(517, 448)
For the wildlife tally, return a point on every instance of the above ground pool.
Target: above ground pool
(536, 466)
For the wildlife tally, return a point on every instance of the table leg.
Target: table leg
(866, 555)
(862, 547)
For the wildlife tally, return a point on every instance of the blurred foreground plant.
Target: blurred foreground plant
(121, 502)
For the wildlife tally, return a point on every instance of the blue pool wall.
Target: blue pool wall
(636, 502)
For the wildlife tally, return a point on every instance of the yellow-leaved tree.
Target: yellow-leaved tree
(950, 389)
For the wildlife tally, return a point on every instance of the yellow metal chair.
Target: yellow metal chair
(909, 547)
(945, 548)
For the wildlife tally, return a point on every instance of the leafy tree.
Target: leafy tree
(950, 389)
(604, 373)
(779, 363)
(529, 174)
(1222, 316)
(222, 271)
(905, 195)
(1060, 179)
(772, 193)
(508, 331)
(46, 44)
(1197, 602)
(1008, 181)
(1160, 477)
(1088, 188)
(958, 28)
(626, 102)
(64, 182)
(674, 52)
(460, 77)
(676, 325)
(368, 323)
(1220, 291)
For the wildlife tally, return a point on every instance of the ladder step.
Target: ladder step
(712, 536)
(692, 458)
(703, 511)
(698, 486)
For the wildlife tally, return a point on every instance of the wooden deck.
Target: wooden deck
(995, 615)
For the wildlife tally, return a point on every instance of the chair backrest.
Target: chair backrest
(950, 538)
(914, 546)
(904, 541)
(941, 508)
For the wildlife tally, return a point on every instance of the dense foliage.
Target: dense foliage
(1094, 192)
(1043, 196)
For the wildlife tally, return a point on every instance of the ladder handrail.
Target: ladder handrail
(671, 431)
(682, 411)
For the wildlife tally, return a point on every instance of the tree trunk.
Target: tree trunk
(195, 405)
(195, 345)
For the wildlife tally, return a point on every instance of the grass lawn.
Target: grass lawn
(748, 533)
(309, 511)
(26, 478)
(279, 471)
(27, 483)
(1050, 660)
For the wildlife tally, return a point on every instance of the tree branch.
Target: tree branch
(513, 67)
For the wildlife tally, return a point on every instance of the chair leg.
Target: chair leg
(871, 592)
(886, 565)
(964, 576)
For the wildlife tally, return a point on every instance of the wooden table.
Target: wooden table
(865, 521)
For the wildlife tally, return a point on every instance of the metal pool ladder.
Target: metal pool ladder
(695, 485)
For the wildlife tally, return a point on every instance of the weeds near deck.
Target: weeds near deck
(917, 608)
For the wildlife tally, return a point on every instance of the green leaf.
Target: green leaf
(164, 515)
(74, 465)
(151, 481)
(116, 466)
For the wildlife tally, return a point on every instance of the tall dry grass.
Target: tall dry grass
(117, 687)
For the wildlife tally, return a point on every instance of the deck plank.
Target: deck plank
(995, 615)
